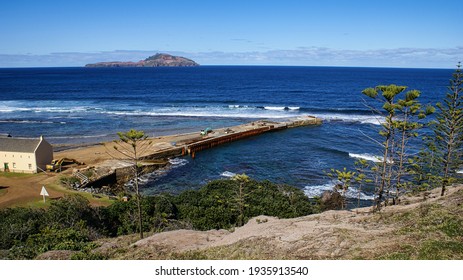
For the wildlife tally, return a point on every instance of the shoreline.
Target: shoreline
(104, 164)
(105, 171)
(92, 153)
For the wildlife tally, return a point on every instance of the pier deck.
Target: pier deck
(217, 137)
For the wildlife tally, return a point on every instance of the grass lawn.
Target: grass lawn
(56, 186)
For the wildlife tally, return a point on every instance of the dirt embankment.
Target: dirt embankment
(401, 231)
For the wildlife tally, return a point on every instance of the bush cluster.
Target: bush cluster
(72, 224)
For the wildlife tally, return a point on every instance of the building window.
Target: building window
(30, 166)
(14, 164)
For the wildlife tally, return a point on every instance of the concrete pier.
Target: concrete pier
(230, 134)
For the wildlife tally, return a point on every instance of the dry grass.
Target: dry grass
(431, 229)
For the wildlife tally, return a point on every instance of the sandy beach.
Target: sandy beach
(97, 153)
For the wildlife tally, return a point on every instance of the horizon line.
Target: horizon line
(237, 65)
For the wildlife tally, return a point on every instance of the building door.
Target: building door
(6, 168)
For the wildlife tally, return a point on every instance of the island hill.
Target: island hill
(158, 60)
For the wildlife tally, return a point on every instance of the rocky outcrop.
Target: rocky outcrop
(158, 60)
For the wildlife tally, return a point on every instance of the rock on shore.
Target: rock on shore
(158, 60)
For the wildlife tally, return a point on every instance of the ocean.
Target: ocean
(90, 105)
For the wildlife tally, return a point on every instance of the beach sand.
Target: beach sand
(98, 153)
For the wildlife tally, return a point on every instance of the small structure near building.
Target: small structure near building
(24, 155)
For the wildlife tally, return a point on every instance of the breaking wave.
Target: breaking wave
(228, 174)
(368, 157)
(146, 179)
(352, 192)
(364, 119)
(177, 162)
(245, 111)
(30, 121)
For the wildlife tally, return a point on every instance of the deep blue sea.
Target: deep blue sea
(89, 105)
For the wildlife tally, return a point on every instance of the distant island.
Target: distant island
(157, 60)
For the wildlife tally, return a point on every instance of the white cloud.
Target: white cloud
(304, 56)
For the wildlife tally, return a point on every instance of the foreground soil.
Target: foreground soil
(23, 190)
(425, 226)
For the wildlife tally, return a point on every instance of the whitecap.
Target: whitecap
(375, 120)
(177, 162)
(26, 121)
(317, 190)
(246, 114)
(228, 174)
(352, 192)
(274, 108)
(368, 157)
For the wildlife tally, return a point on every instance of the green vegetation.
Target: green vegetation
(215, 205)
(433, 231)
(400, 126)
(72, 224)
(443, 155)
(345, 178)
(400, 170)
(131, 145)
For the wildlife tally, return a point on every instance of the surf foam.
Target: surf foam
(352, 192)
(228, 174)
(375, 120)
(368, 157)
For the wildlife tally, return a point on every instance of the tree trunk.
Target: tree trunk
(384, 171)
(140, 219)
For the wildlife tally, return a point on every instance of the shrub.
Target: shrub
(121, 217)
(51, 238)
(216, 206)
(70, 210)
(17, 224)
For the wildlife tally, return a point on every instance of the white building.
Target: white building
(24, 155)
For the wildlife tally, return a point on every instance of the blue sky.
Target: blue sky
(289, 32)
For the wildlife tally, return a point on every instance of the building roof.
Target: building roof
(19, 145)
